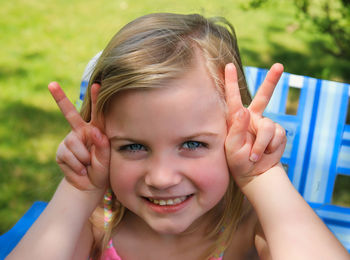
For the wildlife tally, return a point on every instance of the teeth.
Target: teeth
(169, 201)
(177, 201)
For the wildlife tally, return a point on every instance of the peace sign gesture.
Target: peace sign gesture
(254, 143)
(84, 154)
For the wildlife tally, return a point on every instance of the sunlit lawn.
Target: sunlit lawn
(42, 41)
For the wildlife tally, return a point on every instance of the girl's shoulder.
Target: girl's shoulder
(86, 241)
(248, 239)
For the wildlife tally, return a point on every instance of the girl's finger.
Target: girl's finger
(65, 157)
(95, 120)
(265, 133)
(233, 96)
(66, 107)
(263, 96)
(100, 157)
(237, 135)
(102, 148)
(275, 156)
(278, 139)
(77, 147)
(81, 182)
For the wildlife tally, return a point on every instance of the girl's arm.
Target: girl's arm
(63, 230)
(57, 231)
(254, 146)
(291, 227)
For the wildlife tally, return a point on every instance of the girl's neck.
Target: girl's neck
(134, 231)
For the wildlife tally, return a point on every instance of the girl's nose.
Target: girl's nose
(162, 174)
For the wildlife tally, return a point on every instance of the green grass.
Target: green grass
(43, 41)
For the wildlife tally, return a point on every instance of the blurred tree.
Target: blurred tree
(331, 18)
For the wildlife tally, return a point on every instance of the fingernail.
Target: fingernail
(83, 171)
(254, 157)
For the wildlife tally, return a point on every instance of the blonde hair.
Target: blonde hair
(151, 51)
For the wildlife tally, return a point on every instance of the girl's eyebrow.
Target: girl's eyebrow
(121, 138)
(193, 136)
(201, 134)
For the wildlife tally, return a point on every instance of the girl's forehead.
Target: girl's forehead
(193, 86)
(191, 100)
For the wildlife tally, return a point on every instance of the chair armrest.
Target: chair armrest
(10, 239)
(337, 219)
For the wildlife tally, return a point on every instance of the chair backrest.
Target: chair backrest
(318, 146)
(318, 140)
(86, 78)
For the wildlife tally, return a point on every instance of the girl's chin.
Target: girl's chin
(168, 229)
(178, 225)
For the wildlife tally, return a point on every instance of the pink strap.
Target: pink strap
(110, 253)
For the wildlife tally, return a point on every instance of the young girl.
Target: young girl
(194, 173)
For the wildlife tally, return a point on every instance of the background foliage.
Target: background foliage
(43, 41)
(329, 18)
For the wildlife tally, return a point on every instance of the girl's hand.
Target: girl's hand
(254, 143)
(84, 154)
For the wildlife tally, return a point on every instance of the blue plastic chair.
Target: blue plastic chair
(317, 150)
(318, 141)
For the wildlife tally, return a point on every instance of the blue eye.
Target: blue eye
(132, 147)
(193, 145)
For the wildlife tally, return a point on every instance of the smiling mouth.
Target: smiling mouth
(168, 202)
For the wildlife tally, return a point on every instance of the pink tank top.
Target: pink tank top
(111, 254)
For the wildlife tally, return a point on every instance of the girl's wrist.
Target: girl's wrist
(88, 199)
(250, 184)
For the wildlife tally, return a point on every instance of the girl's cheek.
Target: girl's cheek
(214, 176)
(211, 171)
(122, 172)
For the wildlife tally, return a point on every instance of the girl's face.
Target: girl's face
(168, 164)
